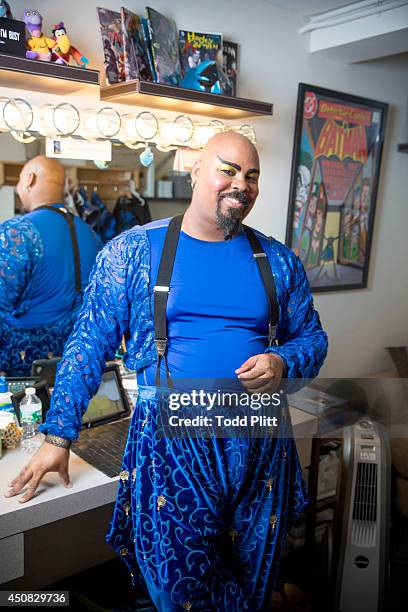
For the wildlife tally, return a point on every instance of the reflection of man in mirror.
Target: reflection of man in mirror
(200, 521)
(41, 278)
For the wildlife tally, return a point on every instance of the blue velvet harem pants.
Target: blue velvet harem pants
(201, 522)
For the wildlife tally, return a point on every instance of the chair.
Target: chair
(46, 369)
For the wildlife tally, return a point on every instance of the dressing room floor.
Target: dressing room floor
(105, 588)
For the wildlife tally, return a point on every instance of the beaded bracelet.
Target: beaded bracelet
(58, 441)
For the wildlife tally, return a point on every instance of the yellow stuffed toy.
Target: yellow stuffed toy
(39, 45)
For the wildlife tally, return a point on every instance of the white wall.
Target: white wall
(274, 59)
(10, 149)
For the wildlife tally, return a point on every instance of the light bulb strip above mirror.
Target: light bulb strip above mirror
(24, 122)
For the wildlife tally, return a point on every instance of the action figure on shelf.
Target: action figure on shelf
(39, 45)
(5, 10)
(63, 51)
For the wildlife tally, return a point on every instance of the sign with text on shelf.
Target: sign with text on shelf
(73, 148)
(12, 37)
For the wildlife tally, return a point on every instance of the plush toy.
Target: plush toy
(5, 10)
(63, 51)
(39, 45)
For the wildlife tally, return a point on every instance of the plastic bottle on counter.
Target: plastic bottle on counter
(6, 404)
(30, 416)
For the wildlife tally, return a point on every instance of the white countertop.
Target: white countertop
(91, 489)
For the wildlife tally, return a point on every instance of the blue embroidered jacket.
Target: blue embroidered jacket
(119, 301)
(37, 268)
(21, 251)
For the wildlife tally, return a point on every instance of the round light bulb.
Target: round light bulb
(217, 126)
(66, 119)
(104, 123)
(183, 128)
(108, 122)
(146, 125)
(61, 120)
(17, 114)
(247, 130)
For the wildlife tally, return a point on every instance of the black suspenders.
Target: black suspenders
(161, 294)
(162, 288)
(264, 268)
(69, 218)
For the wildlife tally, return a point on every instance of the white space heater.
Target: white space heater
(360, 563)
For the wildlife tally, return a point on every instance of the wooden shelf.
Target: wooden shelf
(403, 148)
(190, 101)
(10, 172)
(48, 77)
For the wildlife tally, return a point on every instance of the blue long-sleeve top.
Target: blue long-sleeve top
(37, 278)
(119, 301)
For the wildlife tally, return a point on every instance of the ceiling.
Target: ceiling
(308, 7)
(362, 35)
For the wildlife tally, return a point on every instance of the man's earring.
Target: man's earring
(27, 188)
(193, 184)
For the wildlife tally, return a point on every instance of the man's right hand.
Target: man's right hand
(48, 458)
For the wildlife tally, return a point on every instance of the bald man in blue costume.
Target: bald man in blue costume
(200, 522)
(38, 298)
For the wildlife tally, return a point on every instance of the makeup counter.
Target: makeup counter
(64, 528)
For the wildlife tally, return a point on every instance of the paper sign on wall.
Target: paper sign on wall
(73, 148)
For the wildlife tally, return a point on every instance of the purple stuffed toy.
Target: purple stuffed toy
(39, 46)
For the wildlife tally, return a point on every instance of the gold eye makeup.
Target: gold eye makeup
(227, 169)
(224, 162)
(230, 167)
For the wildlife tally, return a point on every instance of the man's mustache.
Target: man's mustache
(241, 196)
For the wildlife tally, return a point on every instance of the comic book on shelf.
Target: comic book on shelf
(136, 56)
(164, 46)
(146, 33)
(229, 68)
(112, 41)
(200, 56)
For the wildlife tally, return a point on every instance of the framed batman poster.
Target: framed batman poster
(334, 181)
